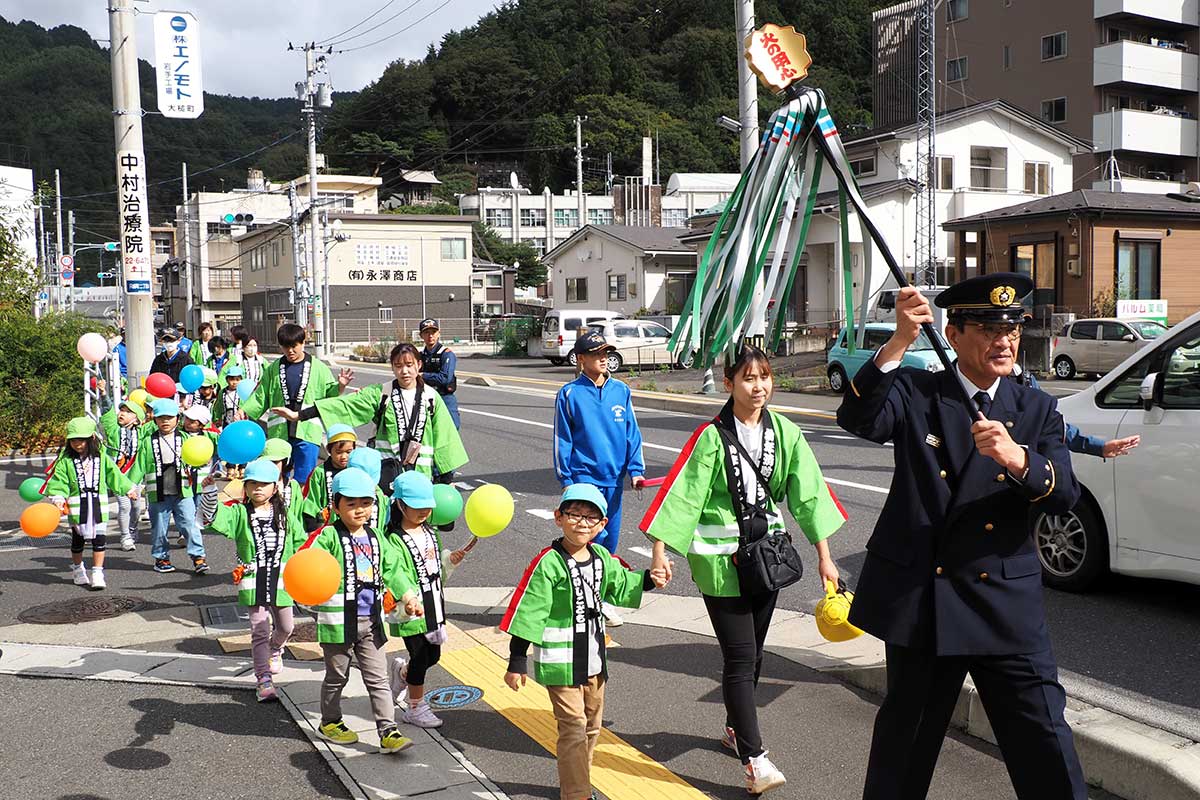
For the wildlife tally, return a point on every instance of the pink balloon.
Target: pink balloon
(92, 347)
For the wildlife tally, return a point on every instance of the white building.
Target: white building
(547, 220)
(16, 205)
(217, 217)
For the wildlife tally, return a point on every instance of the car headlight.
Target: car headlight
(934, 366)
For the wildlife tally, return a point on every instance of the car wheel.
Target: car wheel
(614, 362)
(837, 379)
(572, 360)
(558, 362)
(1072, 547)
(1064, 368)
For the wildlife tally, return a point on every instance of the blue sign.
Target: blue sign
(453, 696)
(43, 295)
(178, 24)
(137, 287)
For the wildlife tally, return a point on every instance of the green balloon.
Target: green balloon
(30, 490)
(449, 504)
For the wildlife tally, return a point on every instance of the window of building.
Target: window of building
(219, 229)
(956, 69)
(678, 290)
(956, 10)
(385, 316)
(494, 281)
(1037, 177)
(454, 249)
(616, 287)
(1037, 260)
(499, 217)
(1054, 46)
(162, 245)
(577, 290)
(537, 243)
(1138, 269)
(224, 278)
(600, 216)
(1006, 57)
(256, 313)
(863, 167)
(566, 217)
(945, 173)
(989, 168)
(494, 309)
(533, 217)
(337, 201)
(1054, 111)
(674, 217)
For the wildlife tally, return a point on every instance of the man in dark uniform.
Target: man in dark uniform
(952, 581)
(437, 367)
(173, 358)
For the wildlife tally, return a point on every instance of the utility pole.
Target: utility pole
(71, 250)
(301, 296)
(747, 84)
(579, 170)
(316, 95)
(925, 252)
(188, 277)
(131, 156)
(58, 248)
(43, 275)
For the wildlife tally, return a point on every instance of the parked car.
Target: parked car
(1137, 513)
(841, 366)
(1098, 345)
(561, 327)
(639, 342)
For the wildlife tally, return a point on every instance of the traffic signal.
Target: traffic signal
(112, 247)
(238, 219)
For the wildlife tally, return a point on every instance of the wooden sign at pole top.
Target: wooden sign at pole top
(778, 56)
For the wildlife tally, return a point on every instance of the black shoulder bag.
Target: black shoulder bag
(766, 561)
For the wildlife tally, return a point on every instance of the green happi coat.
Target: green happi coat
(145, 467)
(65, 481)
(441, 445)
(399, 623)
(693, 514)
(541, 610)
(112, 438)
(316, 501)
(233, 522)
(332, 615)
(269, 394)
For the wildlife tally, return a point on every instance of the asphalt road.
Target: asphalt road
(94, 740)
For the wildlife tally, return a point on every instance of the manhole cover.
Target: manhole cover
(84, 609)
(454, 696)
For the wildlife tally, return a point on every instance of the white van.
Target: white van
(562, 326)
(884, 309)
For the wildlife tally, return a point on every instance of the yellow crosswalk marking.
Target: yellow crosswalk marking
(620, 770)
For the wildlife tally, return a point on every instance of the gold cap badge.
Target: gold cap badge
(1003, 296)
(779, 56)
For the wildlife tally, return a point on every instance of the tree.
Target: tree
(530, 269)
(18, 278)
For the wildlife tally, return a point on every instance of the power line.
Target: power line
(397, 33)
(357, 24)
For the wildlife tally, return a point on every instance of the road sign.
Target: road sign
(68, 275)
(177, 62)
(43, 295)
(66, 262)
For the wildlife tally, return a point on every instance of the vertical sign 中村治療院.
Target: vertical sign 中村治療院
(177, 61)
(135, 221)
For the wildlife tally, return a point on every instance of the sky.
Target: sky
(244, 42)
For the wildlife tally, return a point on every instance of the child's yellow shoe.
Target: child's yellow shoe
(337, 732)
(392, 741)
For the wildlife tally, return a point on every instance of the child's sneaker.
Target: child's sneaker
(393, 741)
(127, 542)
(199, 564)
(98, 582)
(762, 776)
(611, 617)
(729, 739)
(265, 690)
(163, 565)
(399, 684)
(421, 715)
(79, 575)
(337, 732)
(276, 663)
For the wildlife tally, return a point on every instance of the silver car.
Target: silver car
(1098, 345)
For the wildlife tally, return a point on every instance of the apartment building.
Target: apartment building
(1119, 74)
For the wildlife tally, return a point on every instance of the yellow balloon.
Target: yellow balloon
(489, 510)
(138, 396)
(197, 451)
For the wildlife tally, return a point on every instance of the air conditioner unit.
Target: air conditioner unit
(1073, 268)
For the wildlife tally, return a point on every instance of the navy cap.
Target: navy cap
(426, 324)
(995, 297)
(592, 342)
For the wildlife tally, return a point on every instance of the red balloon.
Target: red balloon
(160, 385)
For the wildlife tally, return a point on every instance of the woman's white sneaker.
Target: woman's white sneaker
(98, 581)
(399, 684)
(762, 776)
(79, 575)
(421, 715)
(127, 543)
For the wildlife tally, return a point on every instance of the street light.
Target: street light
(729, 124)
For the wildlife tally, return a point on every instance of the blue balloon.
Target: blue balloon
(191, 377)
(241, 442)
(246, 388)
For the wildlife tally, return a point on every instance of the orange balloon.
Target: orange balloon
(40, 519)
(311, 576)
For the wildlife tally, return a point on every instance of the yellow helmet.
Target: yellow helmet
(833, 614)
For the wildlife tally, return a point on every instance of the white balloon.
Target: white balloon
(92, 347)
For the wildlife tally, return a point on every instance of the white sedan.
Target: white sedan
(1138, 514)
(639, 342)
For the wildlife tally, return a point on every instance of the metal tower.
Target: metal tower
(925, 251)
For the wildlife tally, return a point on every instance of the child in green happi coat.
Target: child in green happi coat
(124, 433)
(79, 484)
(318, 498)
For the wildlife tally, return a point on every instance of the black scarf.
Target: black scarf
(586, 598)
(408, 429)
(294, 403)
(751, 512)
(267, 560)
(350, 578)
(429, 583)
(128, 440)
(177, 447)
(87, 475)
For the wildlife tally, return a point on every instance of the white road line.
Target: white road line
(462, 486)
(835, 481)
(540, 513)
(30, 459)
(642, 551)
(839, 436)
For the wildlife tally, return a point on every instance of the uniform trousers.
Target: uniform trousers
(1024, 703)
(610, 536)
(579, 712)
(366, 645)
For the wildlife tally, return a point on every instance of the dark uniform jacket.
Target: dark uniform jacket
(951, 563)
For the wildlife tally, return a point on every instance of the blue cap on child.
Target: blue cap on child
(262, 470)
(368, 460)
(352, 482)
(414, 490)
(164, 408)
(584, 492)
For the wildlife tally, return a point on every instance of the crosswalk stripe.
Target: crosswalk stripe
(541, 513)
